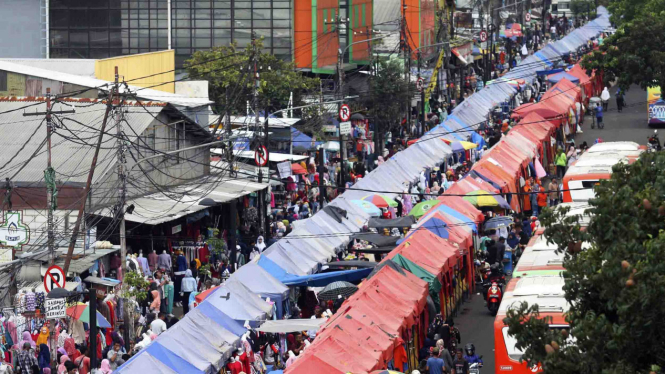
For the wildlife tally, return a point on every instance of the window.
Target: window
(3, 80)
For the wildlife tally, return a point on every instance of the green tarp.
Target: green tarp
(413, 268)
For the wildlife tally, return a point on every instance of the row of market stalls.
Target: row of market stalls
(437, 250)
(426, 273)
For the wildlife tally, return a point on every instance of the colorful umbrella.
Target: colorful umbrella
(498, 222)
(81, 312)
(484, 199)
(298, 169)
(460, 146)
(423, 207)
(381, 201)
(368, 208)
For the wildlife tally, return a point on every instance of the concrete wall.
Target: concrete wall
(21, 29)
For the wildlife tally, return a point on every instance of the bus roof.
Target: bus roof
(583, 170)
(614, 146)
(531, 258)
(600, 159)
(612, 154)
(537, 273)
(544, 291)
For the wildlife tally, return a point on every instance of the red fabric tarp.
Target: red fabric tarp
(554, 105)
(361, 336)
(536, 128)
(462, 206)
(468, 184)
(585, 81)
(429, 251)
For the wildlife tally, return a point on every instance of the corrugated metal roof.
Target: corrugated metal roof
(183, 200)
(144, 93)
(75, 66)
(70, 159)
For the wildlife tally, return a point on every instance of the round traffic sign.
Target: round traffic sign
(483, 36)
(420, 83)
(527, 17)
(261, 156)
(54, 278)
(344, 113)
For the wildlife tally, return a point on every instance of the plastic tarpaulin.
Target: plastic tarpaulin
(415, 269)
(259, 281)
(433, 253)
(559, 76)
(462, 206)
(239, 303)
(323, 279)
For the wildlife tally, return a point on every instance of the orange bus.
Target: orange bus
(544, 291)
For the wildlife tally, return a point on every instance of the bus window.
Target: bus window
(516, 354)
(579, 194)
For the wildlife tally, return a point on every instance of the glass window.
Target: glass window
(262, 5)
(98, 4)
(99, 53)
(242, 4)
(144, 14)
(221, 37)
(115, 18)
(182, 42)
(115, 38)
(59, 53)
(281, 4)
(182, 14)
(281, 23)
(202, 43)
(202, 23)
(78, 53)
(99, 39)
(222, 4)
(59, 18)
(163, 24)
(243, 39)
(202, 4)
(262, 23)
(222, 14)
(183, 23)
(78, 18)
(362, 15)
(281, 14)
(243, 24)
(186, 33)
(260, 14)
(202, 13)
(144, 24)
(242, 14)
(133, 24)
(59, 38)
(221, 23)
(78, 39)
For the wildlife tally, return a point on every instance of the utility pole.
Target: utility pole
(122, 179)
(422, 95)
(255, 104)
(49, 173)
(340, 90)
(91, 173)
(407, 73)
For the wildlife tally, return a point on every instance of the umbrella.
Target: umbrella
(334, 289)
(498, 222)
(81, 312)
(484, 199)
(460, 146)
(298, 169)
(381, 201)
(423, 207)
(368, 207)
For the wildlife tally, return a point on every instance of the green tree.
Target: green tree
(616, 288)
(635, 54)
(581, 7)
(231, 68)
(389, 92)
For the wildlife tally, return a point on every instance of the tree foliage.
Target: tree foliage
(230, 67)
(635, 54)
(616, 288)
(389, 92)
(135, 285)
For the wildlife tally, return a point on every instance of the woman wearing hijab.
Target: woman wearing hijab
(156, 300)
(106, 367)
(70, 348)
(188, 286)
(61, 368)
(44, 357)
(27, 338)
(435, 187)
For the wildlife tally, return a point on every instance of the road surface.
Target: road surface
(474, 321)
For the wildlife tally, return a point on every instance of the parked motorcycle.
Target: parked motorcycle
(475, 368)
(494, 297)
(492, 275)
(653, 143)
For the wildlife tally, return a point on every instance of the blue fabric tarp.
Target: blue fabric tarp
(262, 283)
(323, 279)
(559, 76)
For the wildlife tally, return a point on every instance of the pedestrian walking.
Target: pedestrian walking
(620, 100)
(560, 161)
(599, 117)
(553, 192)
(605, 97)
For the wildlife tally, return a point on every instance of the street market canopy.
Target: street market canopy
(382, 223)
(291, 325)
(259, 281)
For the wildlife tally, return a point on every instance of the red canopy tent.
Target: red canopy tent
(362, 335)
(586, 82)
(429, 251)
(462, 206)
(468, 184)
(499, 176)
(537, 128)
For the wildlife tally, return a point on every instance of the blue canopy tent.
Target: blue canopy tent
(301, 142)
(559, 76)
(239, 303)
(262, 283)
(157, 359)
(451, 211)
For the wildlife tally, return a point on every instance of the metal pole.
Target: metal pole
(261, 202)
(49, 189)
(92, 348)
(340, 95)
(122, 178)
(422, 97)
(88, 183)
(322, 187)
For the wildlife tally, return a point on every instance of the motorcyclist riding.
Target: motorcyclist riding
(470, 354)
(654, 141)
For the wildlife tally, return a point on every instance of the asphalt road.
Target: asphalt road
(474, 321)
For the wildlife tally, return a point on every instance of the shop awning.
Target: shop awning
(377, 239)
(382, 223)
(324, 279)
(183, 200)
